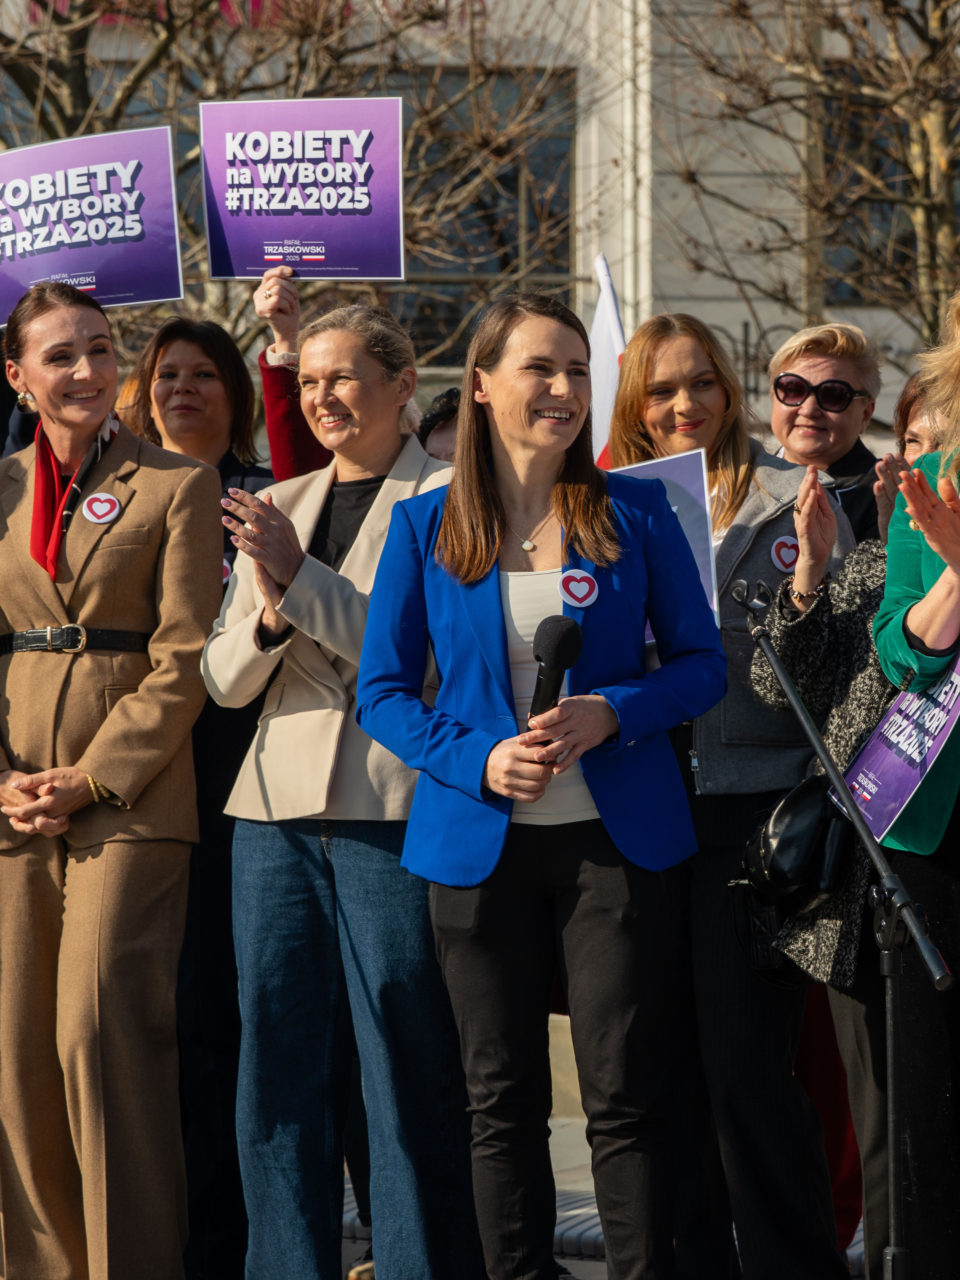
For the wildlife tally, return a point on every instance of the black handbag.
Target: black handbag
(798, 857)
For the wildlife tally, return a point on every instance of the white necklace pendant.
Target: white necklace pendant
(527, 545)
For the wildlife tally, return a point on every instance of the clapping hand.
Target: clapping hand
(935, 514)
(885, 489)
(815, 521)
(268, 537)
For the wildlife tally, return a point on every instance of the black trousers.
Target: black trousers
(208, 1025)
(748, 1018)
(858, 1021)
(929, 1095)
(564, 895)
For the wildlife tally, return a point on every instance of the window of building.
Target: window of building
(488, 187)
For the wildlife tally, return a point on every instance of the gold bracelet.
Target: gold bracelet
(805, 595)
(100, 792)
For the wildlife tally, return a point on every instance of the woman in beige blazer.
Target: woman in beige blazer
(324, 915)
(110, 566)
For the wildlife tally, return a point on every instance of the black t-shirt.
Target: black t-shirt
(343, 513)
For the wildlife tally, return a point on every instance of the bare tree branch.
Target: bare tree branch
(848, 113)
(481, 127)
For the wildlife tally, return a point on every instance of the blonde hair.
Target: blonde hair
(940, 382)
(730, 463)
(842, 342)
(384, 339)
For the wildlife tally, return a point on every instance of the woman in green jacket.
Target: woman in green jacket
(917, 634)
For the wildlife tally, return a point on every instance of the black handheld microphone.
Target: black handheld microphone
(556, 646)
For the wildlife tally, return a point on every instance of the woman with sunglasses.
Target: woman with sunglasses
(824, 382)
(826, 642)
(678, 392)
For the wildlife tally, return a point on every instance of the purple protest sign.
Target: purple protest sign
(899, 753)
(96, 212)
(315, 184)
(688, 492)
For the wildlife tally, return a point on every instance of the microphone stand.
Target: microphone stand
(896, 920)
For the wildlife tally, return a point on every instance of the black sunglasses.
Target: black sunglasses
(833, 396)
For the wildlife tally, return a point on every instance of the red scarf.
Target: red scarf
(55, 502)
(49, 503)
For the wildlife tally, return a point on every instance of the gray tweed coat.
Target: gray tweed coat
(829, 653)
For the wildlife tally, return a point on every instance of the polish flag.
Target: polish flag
(606, 351)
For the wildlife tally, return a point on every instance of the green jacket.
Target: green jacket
(912, 569)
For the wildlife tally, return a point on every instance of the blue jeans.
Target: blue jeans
(327, 924)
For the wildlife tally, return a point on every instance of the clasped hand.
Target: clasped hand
(40, 803)
(520, 768)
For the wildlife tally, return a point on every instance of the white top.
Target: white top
(527, 599)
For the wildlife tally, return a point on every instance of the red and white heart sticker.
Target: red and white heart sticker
(784, 553)
(577, 587)
(227, 569)
(101, 508)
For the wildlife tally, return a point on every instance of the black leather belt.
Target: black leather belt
(73, 639)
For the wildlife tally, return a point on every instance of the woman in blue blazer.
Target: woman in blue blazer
(552, 846)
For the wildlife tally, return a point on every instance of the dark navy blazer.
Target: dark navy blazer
(457, 828)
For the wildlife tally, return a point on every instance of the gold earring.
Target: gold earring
(22, 398)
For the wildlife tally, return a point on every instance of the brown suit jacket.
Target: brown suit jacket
(124, 718)
(309, 756)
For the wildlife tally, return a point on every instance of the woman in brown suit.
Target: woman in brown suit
(110, 564)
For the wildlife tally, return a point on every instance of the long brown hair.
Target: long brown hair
(474, 523)
(219, 348)
(729, 463)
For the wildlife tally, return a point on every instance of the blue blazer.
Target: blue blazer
(457, 828)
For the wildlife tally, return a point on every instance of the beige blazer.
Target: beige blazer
(309, 758)
(124, 718)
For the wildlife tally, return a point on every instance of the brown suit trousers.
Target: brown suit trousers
(93, 1167)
